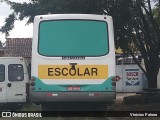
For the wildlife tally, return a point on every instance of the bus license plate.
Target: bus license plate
(70, 88)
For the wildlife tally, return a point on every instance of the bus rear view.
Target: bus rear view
(73, 59)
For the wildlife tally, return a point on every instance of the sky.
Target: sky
(21, 30)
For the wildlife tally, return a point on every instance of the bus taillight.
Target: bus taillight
(32, 79)
(116, 78)
(49, 94)
(32, 83)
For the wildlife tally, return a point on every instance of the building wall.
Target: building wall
(131, 78)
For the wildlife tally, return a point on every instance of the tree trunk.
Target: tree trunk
(152, 80)
(152, 69)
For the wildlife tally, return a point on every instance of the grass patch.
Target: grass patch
(31, 107)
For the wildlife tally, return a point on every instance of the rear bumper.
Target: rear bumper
(42, 97)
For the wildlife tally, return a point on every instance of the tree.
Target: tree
(134, 22)
(117, 8)
(146, 37)
(38, 7)
(156, 12)
(1, 45)
(142, 29)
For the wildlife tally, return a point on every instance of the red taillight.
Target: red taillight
(94, 94)
(97, 94)
(116, 78)
(49, 94)
(32, 83)
(33, 79)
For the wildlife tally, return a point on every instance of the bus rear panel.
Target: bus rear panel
(73, 59)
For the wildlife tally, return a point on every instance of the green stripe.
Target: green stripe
(41, 87)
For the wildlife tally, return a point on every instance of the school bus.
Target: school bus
(73, 59)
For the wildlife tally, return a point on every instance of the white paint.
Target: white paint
(128, 83)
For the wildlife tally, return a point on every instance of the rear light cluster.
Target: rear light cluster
(51, 94)
(94, 94)
(32, 83)
(114, 80)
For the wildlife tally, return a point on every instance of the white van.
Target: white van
(14, 81)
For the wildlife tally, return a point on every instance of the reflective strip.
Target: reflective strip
(91, 94)
(54, 94)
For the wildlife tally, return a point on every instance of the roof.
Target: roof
(18, 47)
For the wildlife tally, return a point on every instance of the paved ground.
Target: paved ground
(119, 107)
(120, 96)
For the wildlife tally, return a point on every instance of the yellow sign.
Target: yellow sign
(68, 72)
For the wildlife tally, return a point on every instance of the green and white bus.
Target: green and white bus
(73, 59)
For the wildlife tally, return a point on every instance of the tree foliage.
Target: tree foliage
(136, 24)
(1, 45)
(146, 36)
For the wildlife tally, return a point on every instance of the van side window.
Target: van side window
(15, 72)
(2, 72)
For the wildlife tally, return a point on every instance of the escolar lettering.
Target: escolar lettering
(72, 72)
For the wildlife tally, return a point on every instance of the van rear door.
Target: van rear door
(16, 84)
(3, 98)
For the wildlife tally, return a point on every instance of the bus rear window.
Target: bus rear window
(58, 38)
